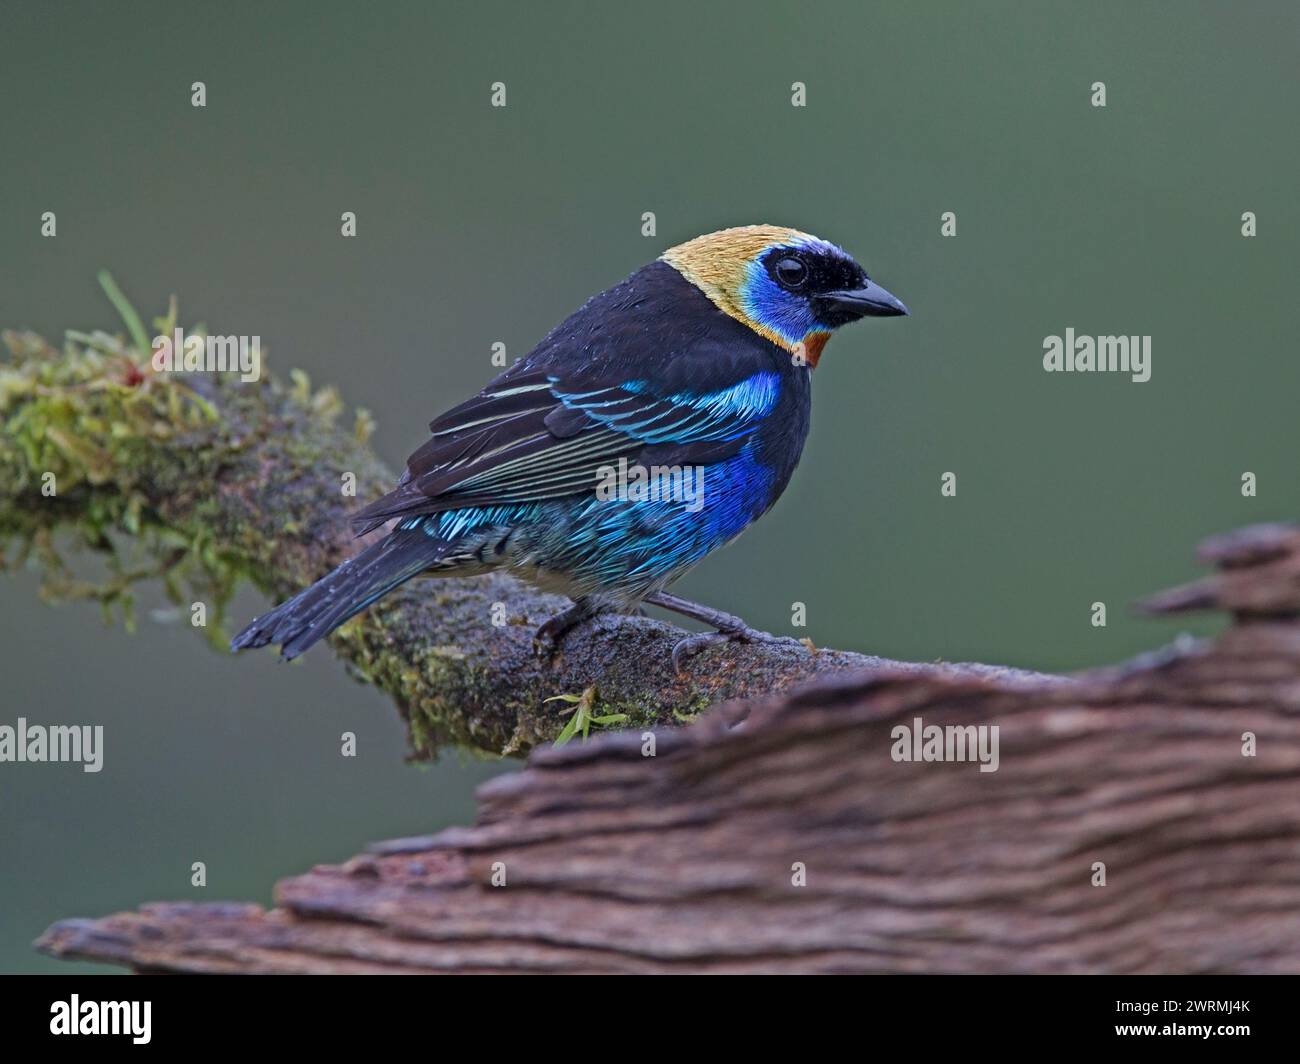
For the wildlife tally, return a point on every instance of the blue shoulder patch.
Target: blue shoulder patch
(754, 397)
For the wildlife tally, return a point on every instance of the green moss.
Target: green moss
(201, 480)
(79, 433)
(93, 439)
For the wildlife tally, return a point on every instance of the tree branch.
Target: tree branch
(1178, 774)
(202, 479)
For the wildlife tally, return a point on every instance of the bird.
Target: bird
(696, 369)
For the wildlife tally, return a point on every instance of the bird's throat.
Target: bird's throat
(812, 347)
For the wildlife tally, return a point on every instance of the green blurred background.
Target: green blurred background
(478, 224)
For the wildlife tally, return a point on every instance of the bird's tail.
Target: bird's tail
(314, 613)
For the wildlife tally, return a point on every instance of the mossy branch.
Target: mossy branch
(200, 479)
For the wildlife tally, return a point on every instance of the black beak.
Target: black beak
(869, 301)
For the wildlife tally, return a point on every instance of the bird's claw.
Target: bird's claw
(550, 634)
(544, 646)
(691, 645)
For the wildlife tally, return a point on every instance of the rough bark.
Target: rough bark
(202, 480)
(682, 862)
(615, 861)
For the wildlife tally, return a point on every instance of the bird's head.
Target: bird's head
(788, 286)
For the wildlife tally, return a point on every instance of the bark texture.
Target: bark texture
(1179, 773)
(776, 833)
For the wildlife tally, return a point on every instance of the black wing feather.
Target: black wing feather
(622, 378)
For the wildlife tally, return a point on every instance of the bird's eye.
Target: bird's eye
(791, 272)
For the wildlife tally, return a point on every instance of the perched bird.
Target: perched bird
(700, 362)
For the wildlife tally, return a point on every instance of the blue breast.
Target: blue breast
(622, 545)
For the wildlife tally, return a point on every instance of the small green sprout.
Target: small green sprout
(583, 718)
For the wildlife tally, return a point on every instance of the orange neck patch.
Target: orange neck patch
(812, 347)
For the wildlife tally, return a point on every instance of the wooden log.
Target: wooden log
(1178, 775)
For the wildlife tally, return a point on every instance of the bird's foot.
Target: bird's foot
(687, 648)
(730, 628)
(550, 634)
